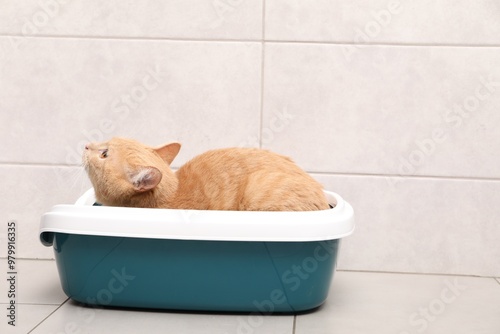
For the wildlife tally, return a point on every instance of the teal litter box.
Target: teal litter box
(222, 261)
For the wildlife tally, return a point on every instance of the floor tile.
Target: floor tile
(27, 317)
(361, 303)
(37, 283)
(72, 317)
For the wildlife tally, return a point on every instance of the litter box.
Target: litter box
(217, 261)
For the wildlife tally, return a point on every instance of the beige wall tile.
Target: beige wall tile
(424, 225)
(385, 21)
(28, 192)
(390, 110)
(58, 94)
(197, 19)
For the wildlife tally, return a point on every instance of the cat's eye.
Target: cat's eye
(104, 153)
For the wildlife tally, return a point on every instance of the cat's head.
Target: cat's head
(120, 169)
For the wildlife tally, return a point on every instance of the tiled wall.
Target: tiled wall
(393, 104)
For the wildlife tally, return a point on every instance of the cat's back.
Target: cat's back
(240, 160)
(247, 179)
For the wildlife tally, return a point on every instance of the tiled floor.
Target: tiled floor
(359, 302)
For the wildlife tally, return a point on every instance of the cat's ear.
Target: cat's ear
(168, 152)
(145, 178)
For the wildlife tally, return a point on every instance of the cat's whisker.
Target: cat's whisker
(82, 179)
(75, 178)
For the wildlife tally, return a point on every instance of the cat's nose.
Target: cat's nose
(87, 146)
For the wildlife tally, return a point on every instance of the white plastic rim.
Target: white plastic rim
(296, 226)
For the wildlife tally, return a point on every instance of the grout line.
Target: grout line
(27, 259)
(341, 270)
(132, 38)
(409, 273)
(294, 323)
(34, 304)
(48, 316)
(465, 178)
(262, 65)
(229, 40)
(388, 44)
(437, 177)
(37, 164)
(263, 20)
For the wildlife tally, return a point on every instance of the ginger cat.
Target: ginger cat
(127, 173)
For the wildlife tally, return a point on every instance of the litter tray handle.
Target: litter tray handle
(47, 238)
